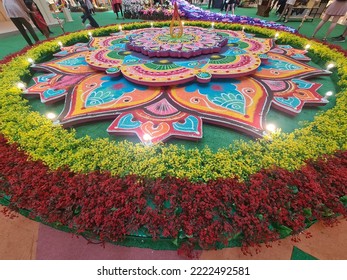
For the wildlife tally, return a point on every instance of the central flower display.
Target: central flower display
(145, 80)
(195, 41)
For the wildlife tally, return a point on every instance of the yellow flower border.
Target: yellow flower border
(57, 147)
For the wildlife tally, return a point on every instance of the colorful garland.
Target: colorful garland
(178, 207)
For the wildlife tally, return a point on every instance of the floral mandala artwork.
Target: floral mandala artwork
(258, 191)
(159, 87)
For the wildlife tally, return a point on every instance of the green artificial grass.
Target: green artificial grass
(298, 254)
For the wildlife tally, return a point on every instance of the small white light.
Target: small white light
(60, 44)
(329, 93)
(182, 23)
(90, 34)
(30, 60)
(147, 137)
(152, 24)
(277, 35)
(212, 24)
(307, 46)
(21, 85)
(243, 29)
(330, 65)
(51, 116)
(271, 127)
(120, 28)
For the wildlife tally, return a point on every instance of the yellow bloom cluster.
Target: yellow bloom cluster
(57, 147)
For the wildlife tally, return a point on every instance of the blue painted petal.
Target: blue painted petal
(298, 55)
(285, 46)
(190, 125)
(120, 47)
(279, 65)
(126, 122)
(292, 102)
(51, 93)
(133, 60)
(77, 61)
(192, 63)
(232, 101)
(302, 83)
(234, 51)
(45, 78)
(102, 96)
(110, 89)
(62, 53)
(232, 40)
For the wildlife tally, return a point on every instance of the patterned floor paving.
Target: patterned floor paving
(23, 239)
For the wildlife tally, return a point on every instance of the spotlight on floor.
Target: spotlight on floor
(21, 86)
(328, 94)
(330, 66)
(148, 139)
(271, 127)
(51, 116)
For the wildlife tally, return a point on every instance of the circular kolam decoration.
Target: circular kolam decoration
(156, 113)
(158, 87)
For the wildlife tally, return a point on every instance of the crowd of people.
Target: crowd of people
(284, 9)
(22, 12)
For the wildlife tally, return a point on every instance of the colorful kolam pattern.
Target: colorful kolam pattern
(73, 64)
(234, 82)
(291, 52)
(151, 57)
(195, 41)
(72, 49)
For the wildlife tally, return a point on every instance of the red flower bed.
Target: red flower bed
(272, 204)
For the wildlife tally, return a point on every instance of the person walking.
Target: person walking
(336, 10)
(87, 15)
(19, 15)
(90, 7)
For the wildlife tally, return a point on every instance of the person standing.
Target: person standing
(231, 6)
(37, 18)
(117, 6)
(336, 10)
(224, 5)
(280, 6)
(19, 15)
(341, 38)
